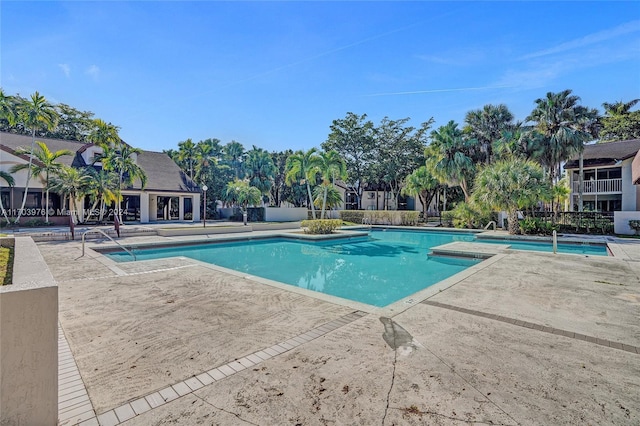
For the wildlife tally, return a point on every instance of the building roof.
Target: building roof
(605, 154)
(163, 174)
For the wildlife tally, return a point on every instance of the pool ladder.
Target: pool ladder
(493, 222)
(106, 235)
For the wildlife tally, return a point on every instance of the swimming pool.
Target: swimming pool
(377, 270)
(566, 248)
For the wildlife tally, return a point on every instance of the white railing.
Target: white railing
(598, 186)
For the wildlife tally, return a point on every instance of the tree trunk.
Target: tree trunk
(26, 187)
(580, 182)
(324, 201)
(512, 216)
(313, 208)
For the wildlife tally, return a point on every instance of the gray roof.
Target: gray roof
(163, 174)
(606, 154)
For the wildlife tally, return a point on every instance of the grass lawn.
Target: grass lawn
(6, 265)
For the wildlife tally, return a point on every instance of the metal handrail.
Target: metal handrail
(493, 222)
(106, 235)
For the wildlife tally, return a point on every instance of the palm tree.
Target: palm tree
(558, 120)
(72, 183)
(259, 169)
(511, 185)
(102, 188)
(187, 153)
(7, 108)
(10, 182)
(333, 200)
(448, 157)
(619, 107)
(35, 114)
(303, 167)
(46, 164)
(234, 154)
(486, 125)
(104, 134)
(121, 160)
(241, 193)
(331, 167)
(422, 184)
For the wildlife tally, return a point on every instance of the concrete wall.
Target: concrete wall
(621, 222)
(628, 188)
(29, 341)
(283, 214)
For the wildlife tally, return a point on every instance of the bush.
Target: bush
(321, 226)
(32, 223)
(381, 217)
(355, 216)
(537, 226)
(635, 225)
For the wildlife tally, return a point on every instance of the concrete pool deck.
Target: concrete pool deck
(529, 338)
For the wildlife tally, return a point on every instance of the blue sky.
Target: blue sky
(276, 74)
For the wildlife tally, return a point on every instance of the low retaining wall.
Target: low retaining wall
(174, 232)
(621, 222)
(28, 340)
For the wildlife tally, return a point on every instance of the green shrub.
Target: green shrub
(36, 222)
(354, 216)
(410, 218)
(321, 226)
(635, 225)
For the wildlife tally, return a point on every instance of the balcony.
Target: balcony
(602, 186)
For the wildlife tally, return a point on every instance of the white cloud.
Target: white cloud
(93, 71)
(600, 36)
(66, 69)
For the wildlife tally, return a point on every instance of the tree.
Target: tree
(72, 124)
(259, 169)
(619, 122)
(486, 126)
(35, 114)
(303, 167)
(104, 134)
(241, 193)
(102, 188)
(279, 187)
(187, 154)
(331, 167)
(511, 185)
(234, 156)
(72, 183)
(7, 109)
(422, 184)
(448, 157)
(333, 198)
(120, 159)
(46, 164)
(558, 121)
(10, 182)
(354, 139)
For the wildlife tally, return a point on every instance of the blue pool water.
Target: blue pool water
(377, 270)
(584, 249)
(383, 268)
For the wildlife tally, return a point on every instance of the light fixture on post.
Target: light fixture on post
(204, 207)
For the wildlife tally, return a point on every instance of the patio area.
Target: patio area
(531, 338)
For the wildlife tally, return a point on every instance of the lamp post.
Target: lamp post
(204, 215)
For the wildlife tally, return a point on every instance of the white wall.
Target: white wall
(29, 341)
(621, 222)
(628, 188)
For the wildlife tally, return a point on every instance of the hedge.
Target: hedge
(321, 226)
(381, 217)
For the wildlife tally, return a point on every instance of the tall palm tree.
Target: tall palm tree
(331, 167)
(234, 154)
(259, 169)
(241, 193)
(121, 160)
(448, 157)
(4, 176)
(558, 119)
(422, 184)
(303, 167)
(187, 153)
(46, 164)
(102, 188)
(35, 114)
(7, 108)
(104, 134)
(486, 126)
(511, 185)
(619, 107)
(72, 183)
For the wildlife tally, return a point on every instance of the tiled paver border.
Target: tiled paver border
(539, 327)
(148, 402)
(74, 405)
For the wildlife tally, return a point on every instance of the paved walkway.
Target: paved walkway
(530, 338)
